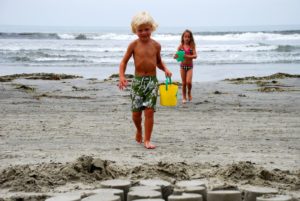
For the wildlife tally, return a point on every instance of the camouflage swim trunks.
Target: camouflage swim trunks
(143, 93)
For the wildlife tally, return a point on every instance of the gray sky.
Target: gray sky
(165, 12)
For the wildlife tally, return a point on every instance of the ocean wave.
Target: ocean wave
(108, 49)
(199, 36)
(97, 36)
(21, 58)
(4, 35)
(247, 47)
(234, 36)
(31, 60)
(249, 36)
(251, 53)
(34, 58)
(79, 62)
(225, 62)
(255, 47)
(59, 59)
(204, 57)
(287, 48)
(64, 49)
(283, 32)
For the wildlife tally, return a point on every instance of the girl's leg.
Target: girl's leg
(189, 77)
(149, 121)
(183, 79)
(137, 120)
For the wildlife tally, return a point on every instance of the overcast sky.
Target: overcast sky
(165, 12)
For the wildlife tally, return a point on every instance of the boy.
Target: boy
(146, 55)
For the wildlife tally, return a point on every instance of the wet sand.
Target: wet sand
(243, 131)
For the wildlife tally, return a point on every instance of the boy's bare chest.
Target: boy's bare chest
(145, 50)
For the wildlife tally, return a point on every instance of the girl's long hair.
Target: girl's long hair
(192, 42)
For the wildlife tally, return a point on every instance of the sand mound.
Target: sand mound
(258, 175)
(46, 176)
(86, 169)
(270, 77)
(37, 76)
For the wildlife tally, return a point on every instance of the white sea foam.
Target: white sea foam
(51, 59)
(250, 47)
(260, 36)
(107, 49)
(67, 36)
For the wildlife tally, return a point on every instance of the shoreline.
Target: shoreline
(201, 73)
(240, 125)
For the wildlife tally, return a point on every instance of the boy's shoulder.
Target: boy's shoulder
(157, 44)
(133, 43)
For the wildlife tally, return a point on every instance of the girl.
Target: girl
(186, 66)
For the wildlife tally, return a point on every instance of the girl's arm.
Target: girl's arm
(175, 55)
(192, 56)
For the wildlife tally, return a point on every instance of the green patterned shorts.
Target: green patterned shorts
(143, 93)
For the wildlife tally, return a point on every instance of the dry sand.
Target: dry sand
(233, 133)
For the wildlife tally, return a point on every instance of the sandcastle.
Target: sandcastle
(160, 190)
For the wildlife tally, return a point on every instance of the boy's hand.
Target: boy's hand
(122, 83)
(168, 73)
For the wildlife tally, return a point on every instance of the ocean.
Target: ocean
(223, 52)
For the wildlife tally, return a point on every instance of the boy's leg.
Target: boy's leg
(189, 76)
(137, 120)
(149, 121)
(183, 79)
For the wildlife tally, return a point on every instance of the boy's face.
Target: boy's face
(144, 32)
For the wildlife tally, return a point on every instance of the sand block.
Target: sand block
(201, 190)
(252, 192)
(66, 197)
(142, 188)
(190, 183)
(186, 197)
(150, 199)
(102, 197)
(224, 196)
(134, 195)
(117, 184)
(117, 192)
(166, 187)
(274, 198)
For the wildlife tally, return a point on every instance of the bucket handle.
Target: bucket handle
(168, 81)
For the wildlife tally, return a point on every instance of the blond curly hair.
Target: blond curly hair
(142, 18)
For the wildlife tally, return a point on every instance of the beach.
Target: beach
(234, 132)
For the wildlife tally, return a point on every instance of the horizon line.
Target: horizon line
(167, 26)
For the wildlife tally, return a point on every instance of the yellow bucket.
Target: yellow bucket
(168, 93)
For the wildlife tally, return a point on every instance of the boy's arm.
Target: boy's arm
(122, 79)
(161, 65)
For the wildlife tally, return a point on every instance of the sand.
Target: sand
(64, 130)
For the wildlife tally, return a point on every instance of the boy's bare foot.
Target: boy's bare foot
(138, 137)
(148, 145)
(183, 101)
